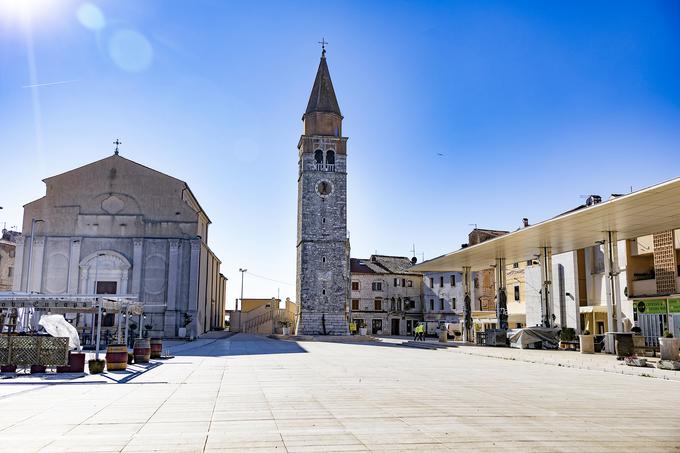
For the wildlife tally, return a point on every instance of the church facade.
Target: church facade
(322, 244)
(117, 227)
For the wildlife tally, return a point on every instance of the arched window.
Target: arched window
(330, 157)
(318, 156)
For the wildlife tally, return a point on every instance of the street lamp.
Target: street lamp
(242, 271)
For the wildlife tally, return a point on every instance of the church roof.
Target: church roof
(322, 98)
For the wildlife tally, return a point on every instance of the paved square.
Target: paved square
(248, 393)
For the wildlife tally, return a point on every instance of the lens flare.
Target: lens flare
(130, 50)
(90, 16)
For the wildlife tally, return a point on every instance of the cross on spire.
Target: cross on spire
(323, 43)
(117, 142)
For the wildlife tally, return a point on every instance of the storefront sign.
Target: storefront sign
(650, 307)
(673, 305)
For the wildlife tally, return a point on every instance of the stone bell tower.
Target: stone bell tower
(322, 244)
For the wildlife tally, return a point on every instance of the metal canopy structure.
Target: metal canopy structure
(646, 211)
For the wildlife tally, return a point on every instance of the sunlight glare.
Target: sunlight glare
(23, 8)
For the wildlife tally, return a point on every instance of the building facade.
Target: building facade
(322, 243)
(443, 299)
(385, 296)
(117, 227)
(8, 243)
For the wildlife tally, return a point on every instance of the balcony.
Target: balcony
(323, 167)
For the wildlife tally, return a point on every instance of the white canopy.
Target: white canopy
(647, 211)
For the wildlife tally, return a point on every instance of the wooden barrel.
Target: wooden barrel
(116, 357)
(156, 348)
(142, 350)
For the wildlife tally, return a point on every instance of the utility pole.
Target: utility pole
(242, 271)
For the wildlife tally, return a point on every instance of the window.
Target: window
(441, 280)
(355, 286)
(409, 283)
(323, 220)
(453, 279)
(377, 286)
(431, 282)
(476, 283)
(330, 157)
(399, 304)
(431, 304)
(377, 304)
(323, 292)
(441, 303)
(392, 305)
(403, 282)
(323, 259)
(396, 282)
(530, 262)
(515, 265)
(10, 271)
(318, 156)
(355, 304)
(453, 303)
(516, 292)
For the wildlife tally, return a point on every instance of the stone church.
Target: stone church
(118, 227)
(322, 243)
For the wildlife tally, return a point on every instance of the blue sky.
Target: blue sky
(531, 104)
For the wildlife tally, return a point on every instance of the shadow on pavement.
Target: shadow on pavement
(236, 345)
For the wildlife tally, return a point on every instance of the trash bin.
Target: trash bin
(624, 344)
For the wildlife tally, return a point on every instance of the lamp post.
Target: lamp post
(242, 271)
(94, 288)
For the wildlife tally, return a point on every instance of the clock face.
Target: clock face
(324, 188)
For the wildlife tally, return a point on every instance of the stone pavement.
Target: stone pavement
(249, 393)
(571, 359)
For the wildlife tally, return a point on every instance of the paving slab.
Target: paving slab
(251, 393)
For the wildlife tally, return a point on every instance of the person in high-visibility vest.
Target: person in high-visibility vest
(416, 332)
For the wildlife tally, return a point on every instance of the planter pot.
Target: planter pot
(8, 368)
(623, 343)
(38, 369)
(286, 330)
(116, 357)
(182, 332)
(142, 350)
(587, 344)
(639, 344)
(76, 363)
(156, 348)
(670, 348)
(363, 330)
(96, 366)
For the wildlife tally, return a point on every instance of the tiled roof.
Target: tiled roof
(381, 264)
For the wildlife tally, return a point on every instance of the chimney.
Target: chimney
(525, 222)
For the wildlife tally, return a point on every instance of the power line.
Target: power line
(270, 279)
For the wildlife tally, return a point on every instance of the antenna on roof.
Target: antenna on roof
(413, 250)
(473, 224)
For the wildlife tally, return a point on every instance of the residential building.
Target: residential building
(443, 299)
(8, 243)
(263, 316)
(118, 227)
(384, 295)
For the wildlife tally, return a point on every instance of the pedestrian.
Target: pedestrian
(416, 332)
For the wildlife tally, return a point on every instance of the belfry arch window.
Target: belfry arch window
(330, 157)
(318, 156)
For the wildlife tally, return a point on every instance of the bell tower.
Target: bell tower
(322, 244)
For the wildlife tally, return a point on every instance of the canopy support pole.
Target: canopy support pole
(127, 317)
(467, 307)
(612, 271)
(99, 328)
(546, 289)
(501, 301)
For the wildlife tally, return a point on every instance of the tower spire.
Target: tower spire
(322, 98)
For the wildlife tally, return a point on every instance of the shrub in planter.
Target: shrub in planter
(636, 330)
(568, 334)
(586, 343)
(96, 366)
(669, 347)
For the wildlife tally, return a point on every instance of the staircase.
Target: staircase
(272, 317)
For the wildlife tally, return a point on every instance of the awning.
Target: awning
(640, 213)
(593, 309)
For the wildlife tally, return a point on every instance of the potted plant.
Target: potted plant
(362, 327)
(586, 342)
(285, 326)
(669, 346)
(185, 323)
(96, 366)
(147, 329)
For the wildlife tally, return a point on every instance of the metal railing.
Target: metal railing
(323, 167)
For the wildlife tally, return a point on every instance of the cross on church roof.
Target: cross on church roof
(323, 43)
(117, 142)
